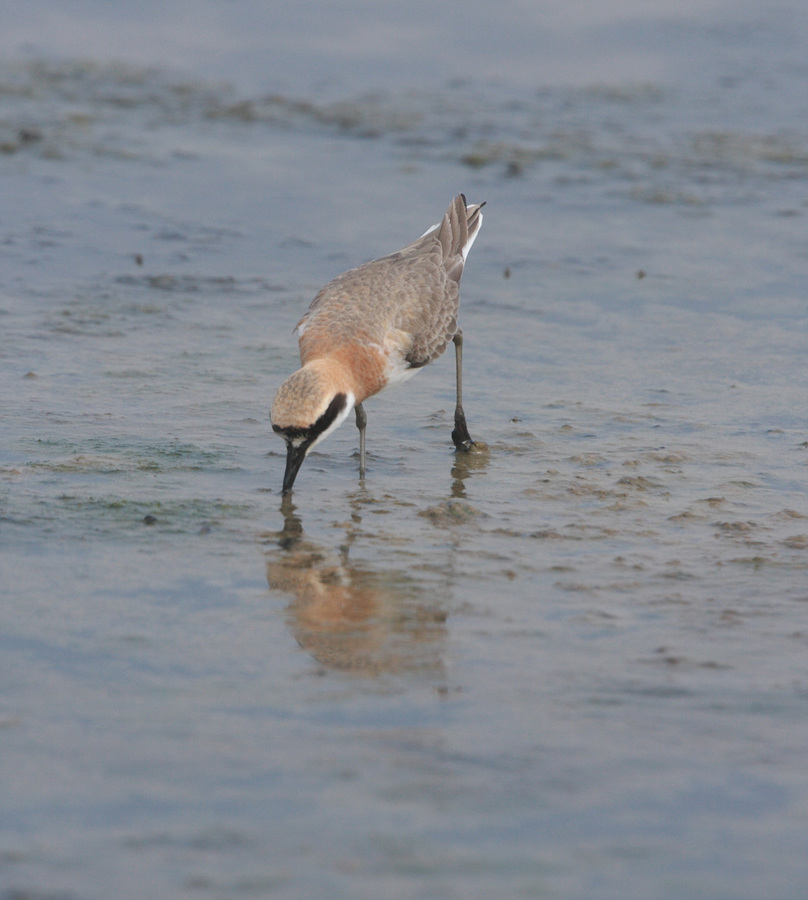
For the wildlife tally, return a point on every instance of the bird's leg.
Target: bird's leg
(460, 435)
(361, 422)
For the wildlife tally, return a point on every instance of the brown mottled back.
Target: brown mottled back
(408, 299)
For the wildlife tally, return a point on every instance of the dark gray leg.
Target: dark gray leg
(361, 422)
(460, 435)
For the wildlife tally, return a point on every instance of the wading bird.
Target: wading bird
(372, 327)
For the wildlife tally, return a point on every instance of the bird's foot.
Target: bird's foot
(460, 436)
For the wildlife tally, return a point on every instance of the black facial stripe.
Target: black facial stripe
(310, 434)
(326, 420)
(291, 432)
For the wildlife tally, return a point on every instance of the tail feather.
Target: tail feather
(475, 220)
(457, 233)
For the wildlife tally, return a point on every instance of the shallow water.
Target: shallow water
(571, 664)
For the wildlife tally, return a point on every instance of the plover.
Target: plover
(372, 327)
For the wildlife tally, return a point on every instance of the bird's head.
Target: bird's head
(309, 405)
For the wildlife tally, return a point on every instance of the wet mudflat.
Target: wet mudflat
(570, 664)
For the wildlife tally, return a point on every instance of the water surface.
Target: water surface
(571, 664)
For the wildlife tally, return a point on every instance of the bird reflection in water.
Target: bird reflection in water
(348, 616)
